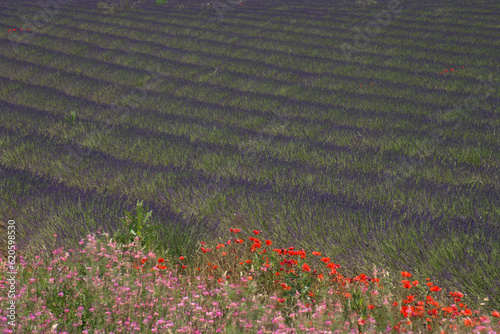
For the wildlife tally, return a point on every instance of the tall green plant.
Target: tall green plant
(136, 226)
(71, 118)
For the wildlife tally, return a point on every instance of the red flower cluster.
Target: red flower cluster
(15, 30)
(451, 70)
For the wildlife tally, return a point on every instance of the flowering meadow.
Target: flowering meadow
(234, 287)
(199, 166)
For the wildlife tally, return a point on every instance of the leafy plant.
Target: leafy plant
(161, 2)
(136, 226)
(71, 118)
(355, 304)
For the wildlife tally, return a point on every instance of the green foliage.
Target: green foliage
(355, 304)
(136, 226)
(71, 118)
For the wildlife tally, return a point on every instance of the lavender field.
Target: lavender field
(367, 131)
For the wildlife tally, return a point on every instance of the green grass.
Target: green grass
(260, 122)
